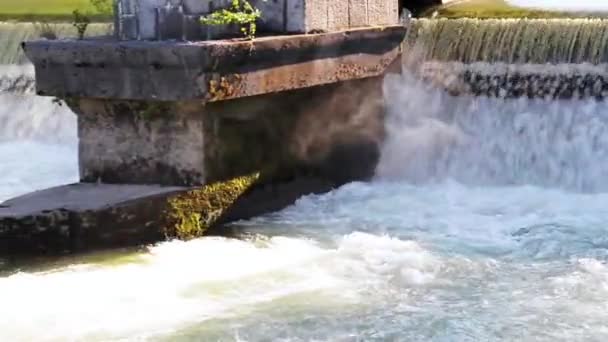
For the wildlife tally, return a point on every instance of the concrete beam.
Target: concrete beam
(212, 70)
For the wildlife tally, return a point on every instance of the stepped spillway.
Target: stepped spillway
(539, 58)
(512, 41)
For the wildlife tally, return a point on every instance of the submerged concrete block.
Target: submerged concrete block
(338, 15)
(332, 15)
(147, 111)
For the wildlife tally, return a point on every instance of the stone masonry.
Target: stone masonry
(179, 19)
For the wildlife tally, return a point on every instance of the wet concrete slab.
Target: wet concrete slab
(78, 217)
(80, 197)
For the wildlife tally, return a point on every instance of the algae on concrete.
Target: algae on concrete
(190, 214)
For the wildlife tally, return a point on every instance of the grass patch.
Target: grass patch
(47, 10)
(487, 9)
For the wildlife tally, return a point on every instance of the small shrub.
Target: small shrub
(80, 22)
(241, 13)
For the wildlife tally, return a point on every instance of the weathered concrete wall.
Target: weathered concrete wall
(308, 129)
(190, 143)
(141, 142)
(303, 16)
(210, 71)
(152, 17)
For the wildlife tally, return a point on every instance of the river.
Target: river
(486, 222)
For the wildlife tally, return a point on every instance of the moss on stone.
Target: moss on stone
(190, 214)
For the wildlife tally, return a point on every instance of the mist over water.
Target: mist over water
(486, 222)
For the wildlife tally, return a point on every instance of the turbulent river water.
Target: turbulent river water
(486, 221)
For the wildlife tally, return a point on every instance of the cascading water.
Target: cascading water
(487, 141)
(514, 41)
(486, 221)
(33, 126)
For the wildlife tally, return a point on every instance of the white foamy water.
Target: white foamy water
(462, 237)
(486, 222)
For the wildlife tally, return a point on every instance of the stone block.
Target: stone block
(382, 12)
(338, 17)
(140, 143)
(278, 16)
(306, 16)
(358, 13)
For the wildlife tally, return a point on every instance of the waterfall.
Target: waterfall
(537, 41)
(433, 136)
(23, 115)
(550, 59)
(511, 137)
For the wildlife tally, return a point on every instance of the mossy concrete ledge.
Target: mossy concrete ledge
(81, 217)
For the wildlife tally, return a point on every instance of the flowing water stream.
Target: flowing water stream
(486, 222)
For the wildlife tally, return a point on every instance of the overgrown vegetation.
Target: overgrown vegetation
(240, 13)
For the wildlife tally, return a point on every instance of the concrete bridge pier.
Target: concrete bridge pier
(177, 137)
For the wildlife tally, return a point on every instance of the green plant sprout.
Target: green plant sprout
(240, 12)
(80, 22)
